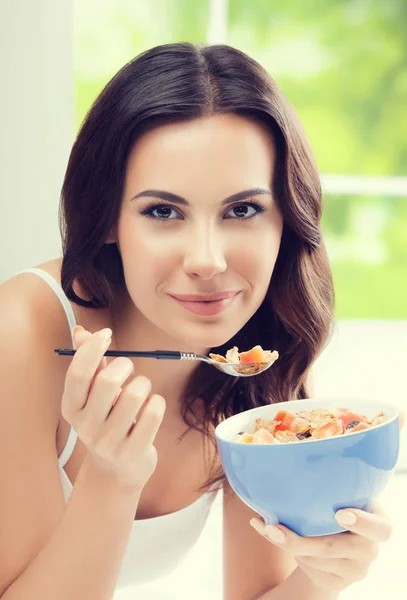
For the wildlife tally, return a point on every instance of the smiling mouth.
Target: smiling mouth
(206, 307)
(204, 297)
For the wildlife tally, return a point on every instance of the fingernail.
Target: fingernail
(345, 517)
(77, 328)
(258, 525)
(275, 534)
(105, 334)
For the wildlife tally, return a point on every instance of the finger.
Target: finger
(148, 423)
(340, 545)
(374, 526)
(126, 409)
(106, 390)
(82, 369)
(80, 335)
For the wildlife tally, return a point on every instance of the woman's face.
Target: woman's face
(182, 233)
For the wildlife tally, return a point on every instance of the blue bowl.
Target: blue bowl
(302, 484)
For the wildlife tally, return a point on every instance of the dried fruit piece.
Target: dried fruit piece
(359, 427)
(330, 429)
(352, 424)
(246, 438)
(254, 356)
(285, 419)
(262, 436)
(303, 436)
(348, 416)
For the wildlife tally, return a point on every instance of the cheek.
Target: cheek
(146, 258)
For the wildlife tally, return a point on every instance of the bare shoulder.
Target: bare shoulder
(28, 295)
(31, 312)
(31, 384)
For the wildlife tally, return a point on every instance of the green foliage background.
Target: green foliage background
(343, 65)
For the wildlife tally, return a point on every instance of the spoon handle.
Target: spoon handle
(160, 354)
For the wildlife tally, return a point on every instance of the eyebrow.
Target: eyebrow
(170, 197)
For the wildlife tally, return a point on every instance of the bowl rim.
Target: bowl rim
(280, 406)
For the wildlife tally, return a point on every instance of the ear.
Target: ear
(112, 237)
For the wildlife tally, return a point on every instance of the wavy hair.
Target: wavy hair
(180, 82)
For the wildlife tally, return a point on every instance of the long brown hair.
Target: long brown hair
(181, 82)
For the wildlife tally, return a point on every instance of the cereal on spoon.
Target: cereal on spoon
(248, 362)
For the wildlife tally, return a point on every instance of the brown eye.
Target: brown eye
(244, 211)
(161, 212)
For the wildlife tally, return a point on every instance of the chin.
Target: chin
(200, 338)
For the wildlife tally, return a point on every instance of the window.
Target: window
(343, 66)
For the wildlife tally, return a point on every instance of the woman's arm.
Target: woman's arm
(48, 550)
(297, 586)
(251, 565)
(254, 569)
(82, 558)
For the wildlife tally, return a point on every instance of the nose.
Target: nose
(204, 255)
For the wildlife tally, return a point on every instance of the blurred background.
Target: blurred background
(342, 64)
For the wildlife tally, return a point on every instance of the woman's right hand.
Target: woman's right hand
(118, 423)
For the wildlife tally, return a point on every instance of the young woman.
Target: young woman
(190, 219)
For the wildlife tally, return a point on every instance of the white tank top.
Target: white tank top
(157, 545)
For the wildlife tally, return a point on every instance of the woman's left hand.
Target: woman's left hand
(334, 562)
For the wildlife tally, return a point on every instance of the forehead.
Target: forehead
(225, 152)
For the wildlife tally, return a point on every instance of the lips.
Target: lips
(204, 297)
(208, 305)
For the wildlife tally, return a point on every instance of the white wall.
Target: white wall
(37, 127)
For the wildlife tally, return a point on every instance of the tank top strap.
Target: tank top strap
(70, 444)
(69, 447)
(215, 487)
(59, 292)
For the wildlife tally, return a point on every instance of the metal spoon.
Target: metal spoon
(235, 369)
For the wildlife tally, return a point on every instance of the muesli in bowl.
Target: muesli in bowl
(316, 424)
(301, 483)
